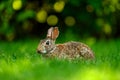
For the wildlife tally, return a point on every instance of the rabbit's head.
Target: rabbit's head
(48, 44)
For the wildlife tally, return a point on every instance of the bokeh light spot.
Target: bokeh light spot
(59, 6)
(17, 4)
(41, 16)
(70, 21)
(107, 28)
(52, 20)
(118, 6)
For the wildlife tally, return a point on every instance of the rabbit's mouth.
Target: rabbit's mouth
(41, 50)
(38, 51)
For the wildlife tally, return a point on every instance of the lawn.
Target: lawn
(19, 61)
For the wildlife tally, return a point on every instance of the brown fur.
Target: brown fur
(69, 50)
(72, 50)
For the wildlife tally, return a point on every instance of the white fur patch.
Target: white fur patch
(44, 51)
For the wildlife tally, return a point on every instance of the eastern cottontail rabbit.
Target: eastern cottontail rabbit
(69, 50)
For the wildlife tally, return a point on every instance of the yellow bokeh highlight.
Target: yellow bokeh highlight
(17, 4)
(70, 21)
(41, 16)
(107, 28)
(114, 2)
(118, 6)
(52, 20)
(59, 6)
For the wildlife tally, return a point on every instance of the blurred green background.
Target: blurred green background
(24, 22)
(76, 19)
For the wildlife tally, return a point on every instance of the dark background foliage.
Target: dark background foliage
(94, 22)
(76, 19)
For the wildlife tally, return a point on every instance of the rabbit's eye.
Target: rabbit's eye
(47, 43)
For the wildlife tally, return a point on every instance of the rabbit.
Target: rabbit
(69, 50)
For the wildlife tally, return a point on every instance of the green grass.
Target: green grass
(19, 61)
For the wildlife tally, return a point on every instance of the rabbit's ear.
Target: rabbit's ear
(49, 34)
(55, 33)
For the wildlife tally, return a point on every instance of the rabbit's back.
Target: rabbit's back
(79, 50)
(72, 50)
